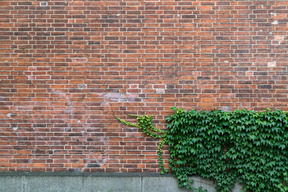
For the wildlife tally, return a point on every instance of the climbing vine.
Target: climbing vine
(145, 123)
(242, 145)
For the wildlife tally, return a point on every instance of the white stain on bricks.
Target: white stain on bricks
(41, 73)
(94, 159)
(272, 64)
(120, 97)
(21, 130)
(160, 88)
(279, 38)
(275, 22)
(69, 108)
(82, 86)
(79, 59)
(31, 77)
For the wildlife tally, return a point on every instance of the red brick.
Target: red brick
(66, 74)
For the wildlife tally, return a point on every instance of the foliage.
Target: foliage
(242, 145)
(145, 123)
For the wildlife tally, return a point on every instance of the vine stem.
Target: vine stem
(145, 123)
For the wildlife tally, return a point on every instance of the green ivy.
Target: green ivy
(145, 123)
(243, 145)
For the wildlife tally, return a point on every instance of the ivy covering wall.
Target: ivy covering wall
(242, 145)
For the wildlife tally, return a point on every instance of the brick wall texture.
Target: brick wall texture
(68, 67)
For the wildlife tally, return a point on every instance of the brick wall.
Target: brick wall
(67, 67)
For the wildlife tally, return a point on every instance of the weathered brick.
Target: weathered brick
(67, 68)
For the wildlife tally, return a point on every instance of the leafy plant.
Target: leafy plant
(145, 123)
(243, 145)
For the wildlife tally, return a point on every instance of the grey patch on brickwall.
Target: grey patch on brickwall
(120, 97)
(94, 43)
(79, 59)
(264, 86)
(15, 128)
(93, 165)
(9, 115)
(43, 4)
(225, 108)
(82, 86)
(160, 88)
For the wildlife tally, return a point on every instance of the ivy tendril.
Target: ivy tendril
(146, 124)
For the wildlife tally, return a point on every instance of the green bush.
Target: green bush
(245, 146)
